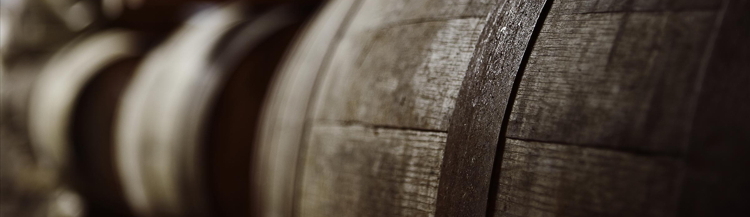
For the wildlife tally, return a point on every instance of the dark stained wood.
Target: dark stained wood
(623, 78)
(604, 113)
(473, 134)
(546, 179)
(717, 182)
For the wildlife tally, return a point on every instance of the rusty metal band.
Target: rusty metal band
(480, 111)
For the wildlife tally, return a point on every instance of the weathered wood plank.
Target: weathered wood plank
(546, 179)
(358, 170)
(399, 65)
(404, 74)
(609, 93)
(480, 109)
(622, 79)
(717, 182)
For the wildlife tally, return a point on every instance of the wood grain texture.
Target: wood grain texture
(604, 113)
(621, 78)
(546, 179)
(395, 69)
(399, 66)
(476, 123)
(360, 170)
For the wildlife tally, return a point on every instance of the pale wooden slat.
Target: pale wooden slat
(358, 170)
(404, 74)
(546, 179)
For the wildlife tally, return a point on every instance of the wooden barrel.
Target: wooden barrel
(168, 134)
(185, 125)
(511, 108)
(70, 113)
(421, 108)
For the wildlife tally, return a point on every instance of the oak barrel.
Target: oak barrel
(512, 108)
(410, 108)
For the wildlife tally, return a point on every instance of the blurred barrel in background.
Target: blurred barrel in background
(70, 111)
(390, 108)
(87, 109)
(169, 108)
